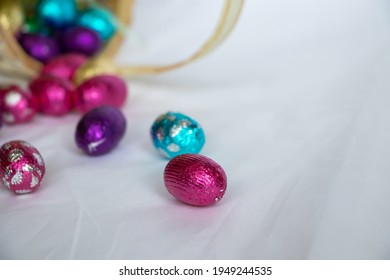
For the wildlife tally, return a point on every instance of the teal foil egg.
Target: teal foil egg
(57, 13)
(174, 134)
(100, 20)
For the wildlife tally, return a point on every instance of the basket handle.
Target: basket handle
(230, 14)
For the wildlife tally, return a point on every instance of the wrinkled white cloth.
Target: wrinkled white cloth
(295, 107)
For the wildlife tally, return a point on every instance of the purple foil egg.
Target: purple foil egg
(81, 40)
(195, 179)
(40, 47)
(100, 130)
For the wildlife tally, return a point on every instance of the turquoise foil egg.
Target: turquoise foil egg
(174, 134)
(57, 13)
(99, 20)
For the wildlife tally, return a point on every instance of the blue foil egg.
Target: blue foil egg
(100, 20)
(57, 13)
(174, 134)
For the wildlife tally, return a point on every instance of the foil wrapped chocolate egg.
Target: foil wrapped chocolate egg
(100, 130)
(17, 105)
(57, 13)
(174, 134)
(22, 167)
(81, 40)
(31, 25)
(100, 20)
(64, 66)
(38, 46)
(53, 96)
(195, 179)
(101, 90)
(34, 25)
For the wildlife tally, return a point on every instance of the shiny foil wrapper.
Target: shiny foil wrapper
(57, 13)
(16, 105)
(53, 96)
(22, 167)
(174, 134)
(100, 20)
(195, 179)
(100, 130)
(102, 90)
(64, 66)
(81, 40)
(39, 46)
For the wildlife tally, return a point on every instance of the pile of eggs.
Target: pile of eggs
(63, 39)
(55, 27)
(51, 93)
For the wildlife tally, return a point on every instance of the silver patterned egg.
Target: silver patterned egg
(21, 167)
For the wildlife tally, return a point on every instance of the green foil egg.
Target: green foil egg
(34, 25)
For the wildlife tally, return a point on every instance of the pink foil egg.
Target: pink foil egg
(54, 96)
(22, 167)
(195, 179)
(17, 105)
(99, 91)
(64, 66)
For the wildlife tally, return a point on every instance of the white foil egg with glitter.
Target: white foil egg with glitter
(21, 167)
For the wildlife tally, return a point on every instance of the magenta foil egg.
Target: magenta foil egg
(103, 90)
(53, 96)
(17, 105)
(64, 66)
(22, 167)
(195, 179)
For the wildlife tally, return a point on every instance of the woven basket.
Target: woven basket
(14, 61)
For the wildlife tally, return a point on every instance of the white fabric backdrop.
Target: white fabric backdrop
(295, 106)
